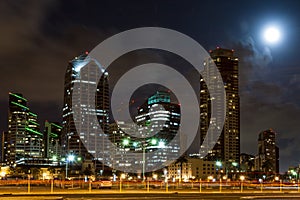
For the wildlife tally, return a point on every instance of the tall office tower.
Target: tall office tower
(52, 140)
(78, 131)
(268, 153)
(24, 140)
(158, 123)
(227, 148)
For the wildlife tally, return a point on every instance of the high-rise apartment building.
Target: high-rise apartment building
(267, 159)
(80, 131)
(227, 148)
(24, 139)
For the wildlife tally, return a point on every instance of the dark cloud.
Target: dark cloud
(32, 61)
(265, 100)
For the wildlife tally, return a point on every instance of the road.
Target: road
(76, 193)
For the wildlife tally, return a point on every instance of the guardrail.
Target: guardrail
(124, 185)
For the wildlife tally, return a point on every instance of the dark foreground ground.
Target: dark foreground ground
(140, 196)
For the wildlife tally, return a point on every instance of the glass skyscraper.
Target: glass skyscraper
(81, 135)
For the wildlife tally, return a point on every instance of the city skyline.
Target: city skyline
(269, 73)
(83, 70)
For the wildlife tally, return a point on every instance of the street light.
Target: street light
(54, 158)
(166, 174)
(219, 165)
(153, 142)
(126, 142)
(210, 178)
(70, 158)
(294, 173)
(242, 179)
(3, 174)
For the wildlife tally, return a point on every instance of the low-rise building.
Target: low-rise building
(194, 168)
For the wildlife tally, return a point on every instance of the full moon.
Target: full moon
(272, 35)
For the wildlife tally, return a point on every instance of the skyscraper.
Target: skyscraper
(77, 132)
(227, 148)
(24, 139)
(152, 141)
(159, 120)
(267, 159)
(52, 139)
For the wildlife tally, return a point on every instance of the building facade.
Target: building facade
(227, 148)
(181, 172)
(202, 169)
(158, 123)
(52, 139)
(24, 139)
(82, 132)
(194, 168)
(267, 159)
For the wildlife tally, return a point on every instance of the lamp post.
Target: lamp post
(219, 165)
(242, 178)
(69, 158)
(235, 167)
(153, 142)
(143, 170)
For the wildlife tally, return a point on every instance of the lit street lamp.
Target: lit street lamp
(219, 166)
(219, 163)
(242, 179)
(70, 158)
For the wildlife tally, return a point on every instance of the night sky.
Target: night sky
(38, 38)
